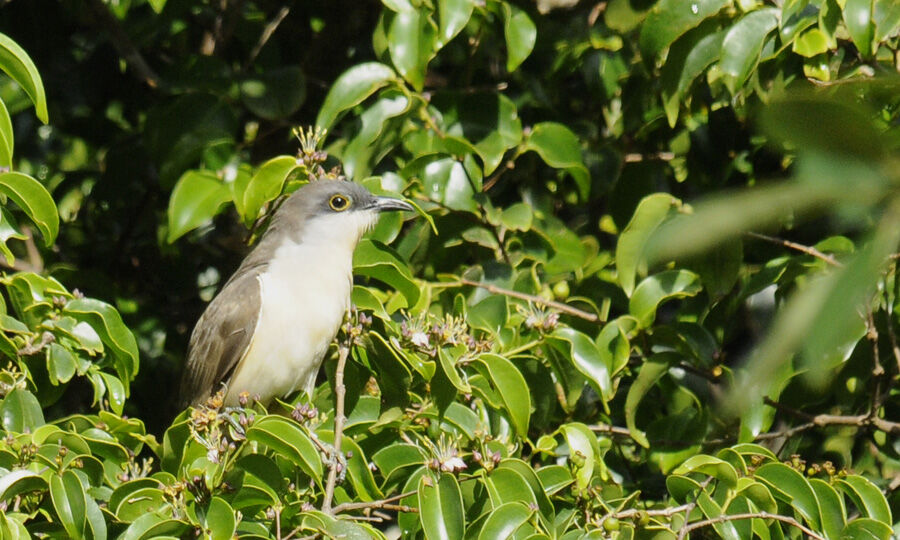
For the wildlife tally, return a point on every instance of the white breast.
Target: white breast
(304, 294)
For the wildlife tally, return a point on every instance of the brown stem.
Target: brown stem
(559, 306)
(339, 391)
(123, 44)
(809, 250)
(634, 157)
(383, 503)
(823, 420)
(749, 515)
(266, 34)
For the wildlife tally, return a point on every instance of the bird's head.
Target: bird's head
(334, 212)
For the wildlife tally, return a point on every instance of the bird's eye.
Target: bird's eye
(339, 203)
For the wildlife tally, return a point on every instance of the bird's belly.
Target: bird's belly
(303, 300)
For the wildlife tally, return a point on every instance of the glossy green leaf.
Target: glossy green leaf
(67, 494)
(554, 478)
(376, 260)
(688, 57)
(791, 487)
(357, 467)
(396, 457)
(517, 217)
(651, 371)
(588, 359)
(220, 520)
(265, 186)
(139, 501)
(197, 198)
(288, 440)
(21, 411)
(513, 389)
(33, 199)
(154, 525)
(60, 364)
(447, 181)
(669, 19)
(866, 496)
(351, 88)
(833, 515)
(560, 148)
(520, 33)
(7, 142)
(742, 45)
(453, 16)
(659, 288)
(506, 485)
(107, 322)
(711, 466)
(810, 43)
(504, 520)
(18, 65)
(584, 453)
(858, 18)
(630, 259)
(441, 508)
(412, 41)
(370, 144)
(886, 16)
(20, 481)
(867, 529)
(447, 361)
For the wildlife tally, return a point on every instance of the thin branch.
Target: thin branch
(809, 250)
(823, 420)
(559, 306)
(123, 45)
(266, 34)
(610, 429)
(339, 392)
(757, 515)
(383, 503)
(682, 534)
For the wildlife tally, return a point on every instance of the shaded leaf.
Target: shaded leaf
(197, 198)
(441, 508)
(520, 33)
(351, 88)
(18, 65)
(34, 199)
(669, 19)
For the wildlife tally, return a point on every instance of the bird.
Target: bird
(268, 329)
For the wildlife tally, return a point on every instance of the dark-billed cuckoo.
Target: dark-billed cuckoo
(270, 326)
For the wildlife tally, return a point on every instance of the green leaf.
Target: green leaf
(504, 520)
(18, 65)
(860, 26)
(274, 94)
(669, 19)
(554, 478)
(441, 508)
(867, 529)
(886, 16)
(7, 143)
(20, 481)
(711, 466)
(520, 33)
(154, 525)
(376, 260)
(351, 88)
(357, 467)
(68, 496)
(560, 148)
(649, 214)
(513, 389)
(265, 186)
(107, 322)
(651, 371)
(220, 520)
(792, 488)
(197, 198)
(517, 217)
(34, 199)
(157, 5)
(585, 453)
(742, 45)
(688, 57)
(371, 143)
(412, 41)
(115, 392)
(866, 496)
(833, 514)
(810, 43)
(506, 485)
(21, 411)
(60, 364)
(588, 359)
(288, 440)
(453, 16)
(658, 288)
(490, 314)
(445, 180)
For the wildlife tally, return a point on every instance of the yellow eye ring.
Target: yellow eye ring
(339, 203)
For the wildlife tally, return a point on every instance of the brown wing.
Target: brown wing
(221, 338)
